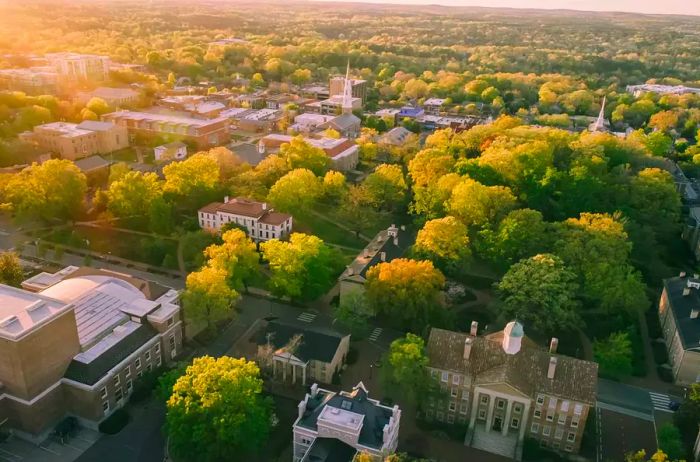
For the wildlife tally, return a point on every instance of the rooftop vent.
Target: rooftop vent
(7, 322)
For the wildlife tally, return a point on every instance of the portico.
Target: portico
(284, 363)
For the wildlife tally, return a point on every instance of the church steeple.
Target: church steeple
(599, 124)
(347, 92)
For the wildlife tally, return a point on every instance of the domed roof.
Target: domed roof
(514, 329)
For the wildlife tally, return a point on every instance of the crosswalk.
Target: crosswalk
(306, 317)
(660, 401)
(375, 334)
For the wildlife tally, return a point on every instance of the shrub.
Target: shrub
(352, 356)
(114, 423)
(144, 386)
(660, 353)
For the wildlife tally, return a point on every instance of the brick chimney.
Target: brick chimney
(552, 367)
(468, 347)
(474, 328)
(553, 344)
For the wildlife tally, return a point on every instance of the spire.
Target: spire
(347, 92)
(599, 124)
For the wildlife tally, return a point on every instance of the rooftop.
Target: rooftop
(21, 311)
(91, 163)
(382, 248)
(167, 118)
(684, 301)
(316, 344)
(329, 450)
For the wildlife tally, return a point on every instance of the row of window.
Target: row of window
(564, 407)
(547, 431)
(561, 420)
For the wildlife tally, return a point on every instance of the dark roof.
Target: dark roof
(329, 450)
(91, 373)
(274, 218)
(376, 415)
(248, 152)
(316, 345)
(372, 254)
(95, 126)
(526, 370)
(681, 307)
(92, 163)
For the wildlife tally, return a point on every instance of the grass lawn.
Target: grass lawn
(327, 231)
(123, 155)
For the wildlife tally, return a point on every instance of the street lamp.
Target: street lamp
(371, 368)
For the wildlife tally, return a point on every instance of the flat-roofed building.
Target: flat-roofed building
(33, 80)
(344, 153)
(73, 343)
(337, 86)
(335, 426)
(115, 97)
(434, 106)
(80, 66)
(74, 141)
(203, 133)
(639, 90)
(504, 387)
(261, 221)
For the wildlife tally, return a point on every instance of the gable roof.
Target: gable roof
(681, 307)
(91, 163)
(526, 370)
(372, 254)
(316, 344)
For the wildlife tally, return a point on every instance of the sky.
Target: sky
(688, 7)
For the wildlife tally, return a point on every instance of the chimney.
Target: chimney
(264, 205)
(475, 326)
(403, 227)
(382, 256)
(686, 291)
(552, 367)
(314, 390)
(694, 313)
(468, 347)
(553, 344)
(225, 199)
(682, 275)
(302, 406)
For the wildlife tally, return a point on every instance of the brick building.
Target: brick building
(261, 222)
(74, 141)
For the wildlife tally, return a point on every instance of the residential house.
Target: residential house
(73, 141)
(434, 106)
(679, 310)
(410, 112)
(299, 354)
(504, 388)
(176, 150)
(74, 342)
(261, 222)
(396, 137)
(387, 245)
(334, 427)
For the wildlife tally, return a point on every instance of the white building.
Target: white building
(80, 66)
(336, 426)
(638, 90)
(433, 106)
(176, 150)
(260, 221)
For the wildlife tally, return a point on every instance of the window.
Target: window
(535, 428)
(562, 419)
(546, 430)
(305, 441)
(455, 379)
(118, 395)
(171, 321)
(482, 414)
(129, 386)
(158, 362)
(453, 406)
(103, 392)
(501, 403)
(465, 395)
(538, 413)
(484, 399)
(515, 423)
(574, 421)
(149, 367)
(540, 398)
(565, 406)
(578, 409)
(157, 348)
(453, 392)
(568, 448)
(116, 381)
(139, 374)
(137, 363)
(517, 408)
(105, 406)
(434, 374)
(550, 417)
(556, 445)
(450, 418)
(127, 372)
(463, 408)
(558, 433)
(148, 356)
(445, 376)
(571, 437)
(552, 403)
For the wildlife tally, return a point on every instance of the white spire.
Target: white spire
(347, 92)
(599, 124)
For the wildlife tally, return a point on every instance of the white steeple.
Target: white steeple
(347, 92)
(599, 124)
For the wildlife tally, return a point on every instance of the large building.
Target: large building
(203, 133)
(343, 99)
(301, 354)
(343, 153)
(73, 343)
(358, 86)
(73, 141)
(261, 221)
(114, 97)
(504, 387)
(33, 81)
(679, 314)
(334, 427)
(638, 90)
(77, 66)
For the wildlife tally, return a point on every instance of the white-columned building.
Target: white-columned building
(260, 221)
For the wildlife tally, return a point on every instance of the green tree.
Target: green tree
(10, 269)
(97, 106)
(444, 241)
(687, 418)
(542, 291)
(405, 367)
(407, 291)
(658, 143)
(300, 154)
(217, 409)
(614, 355)
(386, 187)
(237, 256)
(208, 298)
(334, 187)
(133, 194)
(669, 438)
(195, 178)
(297, 191)
(521, 234)
(477, 205)
(353, 313)
(160, 216)
(302, 268)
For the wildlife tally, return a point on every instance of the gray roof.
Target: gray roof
(88, 164)
(329, 450)
(372, 254)
(344, 122)
(90, 373)
(376, 415)
(248, 152)
(681, 307)
(95, 126)
(526, 370)
(396, 136)
(316, 344)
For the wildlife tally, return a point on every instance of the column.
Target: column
(294, 373)
(524, 421)
(284, 372)
(274, 368)
(506, 423)
(474, 409)
(489, 415)
(303, 375)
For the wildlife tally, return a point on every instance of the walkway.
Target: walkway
(340, 225)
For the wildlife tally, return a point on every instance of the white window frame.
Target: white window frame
(546, 430)
(535, 428)
(514, 422)
(571, 437)
(127, 371)
(137, 363)
(540, 398)
(117, 380)
(105, 406)
(103, 392)
(453, 392)
(445, 376)
(455, 379)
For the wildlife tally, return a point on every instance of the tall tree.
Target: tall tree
(217, 409)
(133, 193)
(195, 178)
(477, 205)
(208, 298)
(296, 192)
(614, 355)
(237, 255)
(444, 241)
(386, 187)
(10, 269)
(405, 369)
(521, 234)
(300, 154)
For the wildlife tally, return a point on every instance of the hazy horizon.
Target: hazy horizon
(681, 7)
